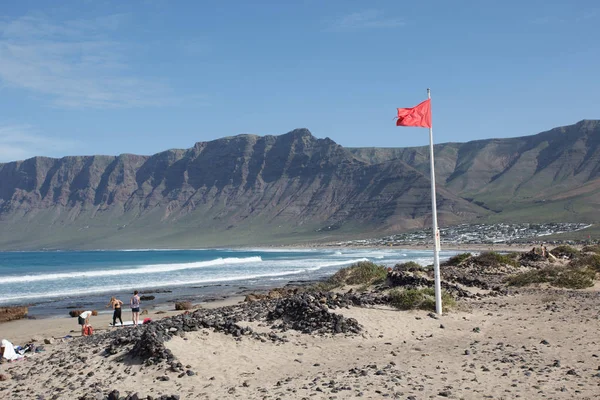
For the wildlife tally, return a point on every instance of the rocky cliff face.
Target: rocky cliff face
(237, 190)
(291, 188)
(554, 174)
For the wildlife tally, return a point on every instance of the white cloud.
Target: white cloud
(74, 63)
(19, 142)
(365, 20)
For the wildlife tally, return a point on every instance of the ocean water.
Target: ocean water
(51, 283)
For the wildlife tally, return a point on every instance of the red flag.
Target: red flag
(416, 116)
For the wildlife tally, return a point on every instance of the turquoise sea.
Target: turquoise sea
(51, 282)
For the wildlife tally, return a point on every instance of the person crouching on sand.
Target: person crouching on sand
(84, 320)
(116, 306)
(135, 308)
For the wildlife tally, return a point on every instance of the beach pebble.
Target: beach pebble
(48, 341)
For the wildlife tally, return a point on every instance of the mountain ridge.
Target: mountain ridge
(249, 189)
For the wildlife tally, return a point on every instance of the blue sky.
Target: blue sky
(103, 77)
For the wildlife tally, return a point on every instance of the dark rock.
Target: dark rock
(114, 395)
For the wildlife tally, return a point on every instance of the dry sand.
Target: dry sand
(23, 330)
(534, 345)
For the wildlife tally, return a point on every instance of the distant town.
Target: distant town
(474, 234)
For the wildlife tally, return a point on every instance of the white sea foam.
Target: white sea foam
(149, 285)
(174, 281)
(130, 270)
(274, 250)
(339, 263)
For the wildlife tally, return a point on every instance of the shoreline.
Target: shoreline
(58, 327)
(165, 297)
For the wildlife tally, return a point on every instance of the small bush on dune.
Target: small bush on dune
(591, 249)
(366, 272)
(324, 286)
(567, 251)
(566, 277)
(528, 278)
(576, 278)
(409, 266)
(493, 259)
(458, 259)
(418, 299)
(590, 260)
(361, 273)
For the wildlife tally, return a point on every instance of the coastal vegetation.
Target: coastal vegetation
(592, 261)
(410, 266)
(494, 259)
(591, 249)
(578, 273)
(360, 273)
(458, 259)
(565, 251)
(559, 276)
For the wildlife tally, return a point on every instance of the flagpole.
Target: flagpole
(436, 232)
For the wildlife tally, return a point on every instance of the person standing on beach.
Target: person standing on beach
(135, 308)
(116, 306)
(84, 320)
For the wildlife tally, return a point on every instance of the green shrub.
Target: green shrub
(324, 286)
(567, 277)
(591, 249)
(361, 273)
(567, 251)
(365, 272)
(493, 259)
(409, 266)
(420, 299)
(575, 278)
(529, 278)
(590, 260)
(458, 259)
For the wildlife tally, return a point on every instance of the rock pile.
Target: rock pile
(115, 395)
(407, 279)
(12, 313)
(306, 314)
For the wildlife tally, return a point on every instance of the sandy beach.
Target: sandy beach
(538, 344)
(529, 343)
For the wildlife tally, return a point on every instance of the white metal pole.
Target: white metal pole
(436, 233)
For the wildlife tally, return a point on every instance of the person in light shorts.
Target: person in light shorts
(84, 320)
